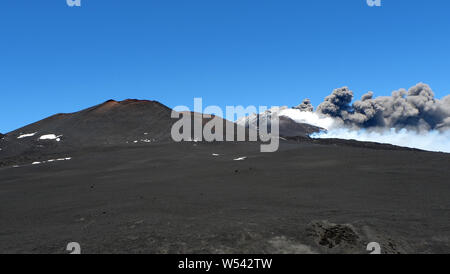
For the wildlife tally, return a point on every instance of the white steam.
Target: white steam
(433, 140)
(430, 140)
(307, 117)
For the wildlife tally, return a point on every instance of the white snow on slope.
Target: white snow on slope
(64, 159)
(51, 137)
(240, 159)
(263, 118)
(26, 135)
(51, 161)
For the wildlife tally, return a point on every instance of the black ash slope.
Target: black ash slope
(179, 198)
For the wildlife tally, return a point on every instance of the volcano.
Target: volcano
(111, 179)
(112, 123)
(107, 124)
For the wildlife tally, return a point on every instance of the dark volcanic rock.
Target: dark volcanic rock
(334, 235)
(348, 238)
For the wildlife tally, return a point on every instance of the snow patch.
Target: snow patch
(240, 159)
(51, 137)
(26, 135)
(52, 160)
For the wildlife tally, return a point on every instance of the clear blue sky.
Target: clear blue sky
(54, 58)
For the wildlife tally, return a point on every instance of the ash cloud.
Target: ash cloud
(416, 109)
(305, 106)
(412, 118)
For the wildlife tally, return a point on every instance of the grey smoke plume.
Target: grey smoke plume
(416, 109)
(305, 106)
